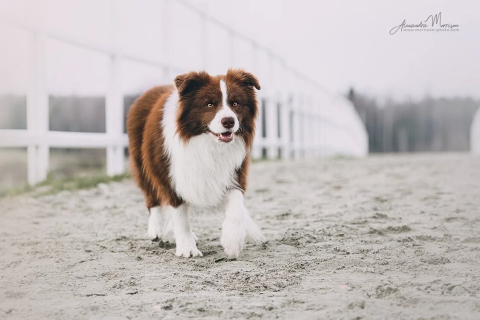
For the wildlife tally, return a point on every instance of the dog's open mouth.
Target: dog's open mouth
(226, 136)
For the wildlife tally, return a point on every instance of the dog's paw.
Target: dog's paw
(187, 251)
(155, 227)
(186, 245)
(233, 239)
(232, 249)
(154, 233)
(160, 225)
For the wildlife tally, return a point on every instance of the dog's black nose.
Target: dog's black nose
(228, 122)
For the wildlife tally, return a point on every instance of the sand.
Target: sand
(386, 237)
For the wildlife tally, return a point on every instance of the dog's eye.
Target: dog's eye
(235, 104)
(209, 105)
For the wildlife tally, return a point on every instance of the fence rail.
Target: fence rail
(298, 118)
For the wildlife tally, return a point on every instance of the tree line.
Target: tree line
(428, 125)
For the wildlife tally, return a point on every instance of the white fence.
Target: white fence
(475, 134)
(297, 117)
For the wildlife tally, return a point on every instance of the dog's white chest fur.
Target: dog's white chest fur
(203, 169)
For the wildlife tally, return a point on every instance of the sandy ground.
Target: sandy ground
(379, 238)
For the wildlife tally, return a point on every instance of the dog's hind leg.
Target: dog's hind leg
(160, 224)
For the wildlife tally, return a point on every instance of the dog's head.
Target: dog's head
(221, 106)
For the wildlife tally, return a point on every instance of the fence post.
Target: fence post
(114, 101)
(271, 114)
(271, 138)
(317, 129)
(114, 118)
(307, 127)
(301, 126)
(296, 130)
(286, 127)
(474, 134)
(38, 112)
(284, 112)
(256, 150)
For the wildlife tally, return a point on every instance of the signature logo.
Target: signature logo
(432, 24)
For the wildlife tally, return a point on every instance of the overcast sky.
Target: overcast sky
(347, 43)
(340, 44)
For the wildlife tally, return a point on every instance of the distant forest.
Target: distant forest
(431, 124)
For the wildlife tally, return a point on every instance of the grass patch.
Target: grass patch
(259, 160)
(342, 157)
(51, 185)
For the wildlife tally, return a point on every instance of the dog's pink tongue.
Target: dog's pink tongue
(225, 136)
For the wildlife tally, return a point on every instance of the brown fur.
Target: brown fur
(150, 162)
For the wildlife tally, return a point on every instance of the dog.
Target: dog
(190, 146)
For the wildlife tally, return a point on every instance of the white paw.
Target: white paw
(153, 233)
(155, 224)
(187, 246)
(233, 239)
(187, 250)
(160, 224)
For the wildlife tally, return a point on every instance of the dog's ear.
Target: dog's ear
(188, 82)
(250, 80)
(245, 78)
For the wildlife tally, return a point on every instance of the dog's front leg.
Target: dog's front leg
(237, 225)
(185, 239)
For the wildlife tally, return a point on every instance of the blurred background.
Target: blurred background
(334, 80)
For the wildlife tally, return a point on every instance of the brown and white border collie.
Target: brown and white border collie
(190, 148)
